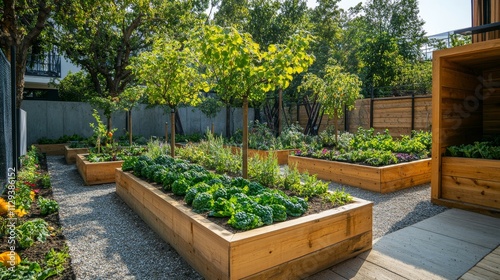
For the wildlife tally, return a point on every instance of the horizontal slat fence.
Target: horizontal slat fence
(393, 113)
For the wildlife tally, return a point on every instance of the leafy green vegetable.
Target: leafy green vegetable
(203, 202)
(31, 231)
(222, 208)
(264, 212)
(245, 221)
(279, 212)
(47, 206)
(180, 186)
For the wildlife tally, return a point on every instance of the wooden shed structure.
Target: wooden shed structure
(466, 108)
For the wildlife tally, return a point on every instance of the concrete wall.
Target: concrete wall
(6, 147)
(53, 119)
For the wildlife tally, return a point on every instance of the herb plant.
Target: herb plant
(47, 206)
(31, 231)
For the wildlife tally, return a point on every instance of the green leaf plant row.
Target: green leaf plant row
(246, 204)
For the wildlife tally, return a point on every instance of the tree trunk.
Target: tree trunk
(280, 104)
(256, 116)
(172, 132)
(228, 123)
(21, 56)
(245, 137)
(336, 120)
(130, 127)
(110, 124)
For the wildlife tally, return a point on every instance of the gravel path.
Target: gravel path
(107, 240)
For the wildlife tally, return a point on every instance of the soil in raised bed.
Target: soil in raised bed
(37, 252)
(316, 205)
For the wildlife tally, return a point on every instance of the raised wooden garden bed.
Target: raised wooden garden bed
(471, 183)
(51, 149)
(282, 155)
(466, 108)
(95, 173)
(378, 179)
(70, 153)
(288, 250)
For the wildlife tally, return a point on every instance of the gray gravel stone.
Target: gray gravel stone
(393, 211)
(107, 240)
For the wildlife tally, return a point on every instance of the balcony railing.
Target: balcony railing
(45, 65)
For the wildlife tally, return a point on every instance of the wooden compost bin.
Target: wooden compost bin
(292, 249)
(70, 153)
(383, 179)
(51, 149)
(465, 108)
(95, 173)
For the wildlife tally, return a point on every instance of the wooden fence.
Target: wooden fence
(400, 115)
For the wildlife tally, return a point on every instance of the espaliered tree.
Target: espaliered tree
(336, 90)
(170, 78)
(237, 68)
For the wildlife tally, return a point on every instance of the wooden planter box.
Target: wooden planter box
(282, 155)
(51, 149)
(95, 173)
(288, 250)
(378, 179)
(465, 108)
(470, 184)
(70, 153)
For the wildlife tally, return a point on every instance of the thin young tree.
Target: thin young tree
(336, 90)
(170, 77)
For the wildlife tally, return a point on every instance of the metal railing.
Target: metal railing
(46, 65)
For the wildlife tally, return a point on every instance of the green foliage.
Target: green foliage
(27, 270)
(247, 204)
(245, 221)
(75, 87)
(23, 197)
(203, 202)
(180, 186)
(168, 73)
(335, 90)
(379, 149)
(45, 181)
(266, 171)
(156, 148)
(212, 154)
(338, 197)
(101, 132)
(47, 206)
(61, 140)
(55, 260)
(31, 231)
(129, 163)
(484, 149)
(210, 106)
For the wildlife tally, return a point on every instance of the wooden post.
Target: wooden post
(371, 108)
(245, 137)
(172, 132)
(412, 111)
(166, 132)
